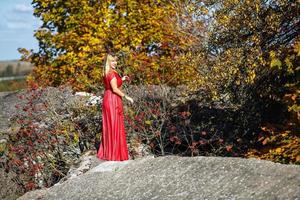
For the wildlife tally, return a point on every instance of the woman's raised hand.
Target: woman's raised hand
(125, 78)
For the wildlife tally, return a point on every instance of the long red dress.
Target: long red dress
(113, 143)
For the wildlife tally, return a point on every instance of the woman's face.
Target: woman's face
(113, 63)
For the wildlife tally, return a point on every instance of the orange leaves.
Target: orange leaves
(280, 143)
(229, 148)
(185, 114)
(175, 139)
(17, 162)
(31, 186)
(77, 32)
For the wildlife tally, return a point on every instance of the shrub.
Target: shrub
(51, 129)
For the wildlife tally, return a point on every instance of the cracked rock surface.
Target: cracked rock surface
(174, 177)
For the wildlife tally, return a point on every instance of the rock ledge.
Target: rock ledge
(174, 177)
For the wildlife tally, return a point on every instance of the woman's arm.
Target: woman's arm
(115, 89)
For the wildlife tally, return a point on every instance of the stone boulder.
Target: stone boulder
(174, 177)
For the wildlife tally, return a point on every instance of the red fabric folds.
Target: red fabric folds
(113, 143)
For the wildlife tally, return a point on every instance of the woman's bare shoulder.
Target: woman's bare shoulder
(110, 72)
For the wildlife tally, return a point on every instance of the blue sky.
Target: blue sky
(17, 25)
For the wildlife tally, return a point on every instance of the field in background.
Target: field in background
(13, 69)
(12, 85)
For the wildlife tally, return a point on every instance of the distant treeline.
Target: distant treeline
(14, 68)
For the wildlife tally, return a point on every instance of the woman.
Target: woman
(113, 143)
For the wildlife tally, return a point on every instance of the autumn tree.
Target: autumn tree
(76, 35)
(251, 61)
(245, 34)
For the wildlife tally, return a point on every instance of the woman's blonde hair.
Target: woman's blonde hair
(109, 58)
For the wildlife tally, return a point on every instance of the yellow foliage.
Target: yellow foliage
(275, 63)
(76, 34)
(281, 143)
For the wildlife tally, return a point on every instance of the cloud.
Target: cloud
(23, 8)
(20, 18)
(15, 21)
(18, 25)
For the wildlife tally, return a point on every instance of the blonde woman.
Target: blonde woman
(113, 143)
